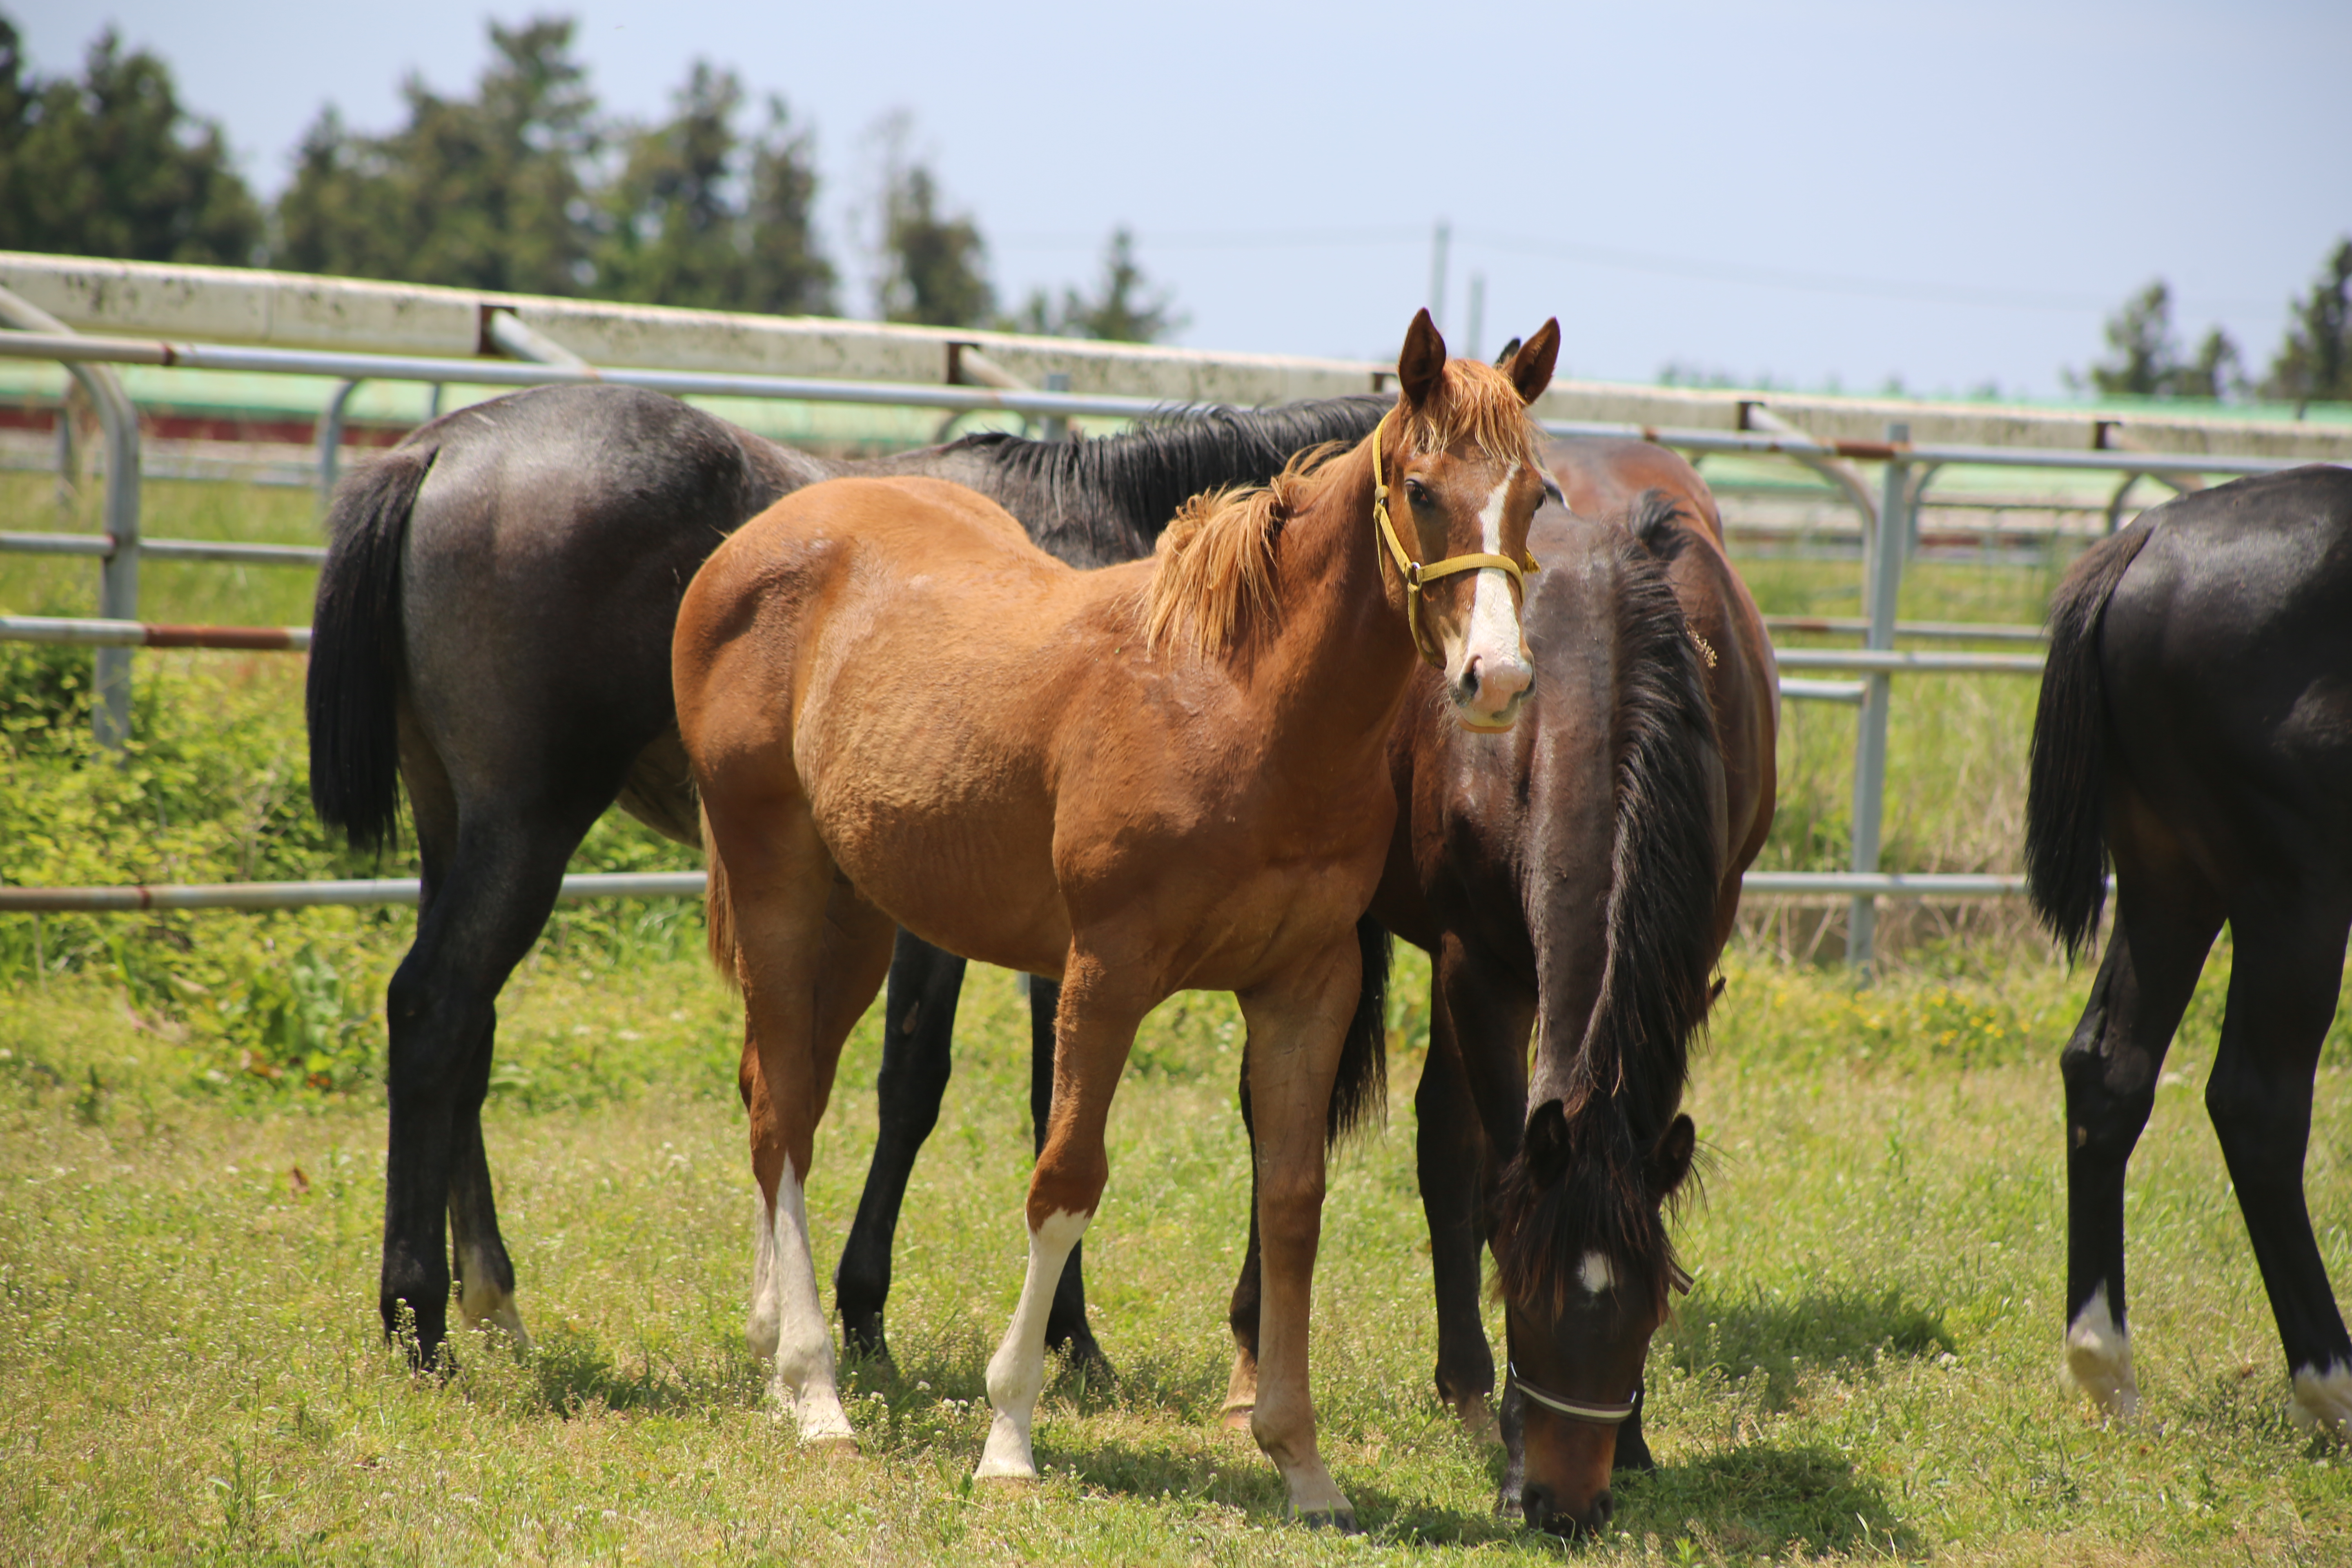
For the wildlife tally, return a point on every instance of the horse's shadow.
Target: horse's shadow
(1740, 1337)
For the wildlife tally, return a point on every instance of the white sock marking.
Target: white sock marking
(787, 1324)
(1016, 1373)
(483, 1305)
(2098, 1357)
(2323, 1400)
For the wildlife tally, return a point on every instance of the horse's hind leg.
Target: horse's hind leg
(2287, 966)
(1065, 1322)
(1094, 1029)
(918, 1055)
(1296, 1028)
(2165, 923)
(1451, 1164)
(810, 952)
(490, 879)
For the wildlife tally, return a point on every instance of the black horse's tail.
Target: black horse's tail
(1360, 1092)
(2067, 782)
(355, 650)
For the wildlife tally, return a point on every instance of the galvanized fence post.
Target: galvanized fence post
(331, 444)
(118, 582)
(1882, 586)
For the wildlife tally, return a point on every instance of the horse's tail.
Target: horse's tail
(351, 700)
(1666, 862)
(718, 911)
(1360, 1092)
(2066, 780)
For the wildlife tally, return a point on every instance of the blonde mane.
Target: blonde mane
(1213, 572)
(1480, 405)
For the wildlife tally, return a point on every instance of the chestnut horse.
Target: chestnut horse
(1139, 779)
(493, 631)
(1653, 728)
(2196, 724)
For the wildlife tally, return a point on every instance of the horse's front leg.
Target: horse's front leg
(2162, 931)
(1296, 1026)
(811, 953)
(1065, 1325)
(1094, 1028)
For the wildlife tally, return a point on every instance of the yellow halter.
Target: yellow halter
(1414, 573)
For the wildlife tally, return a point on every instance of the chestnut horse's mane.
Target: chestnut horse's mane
(1212, 573)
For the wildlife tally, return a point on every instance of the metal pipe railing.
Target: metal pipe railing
(118, 582)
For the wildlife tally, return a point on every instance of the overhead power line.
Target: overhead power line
(1699, 269)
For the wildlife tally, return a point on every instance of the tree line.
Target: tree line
(523, 186)
(2312, 363)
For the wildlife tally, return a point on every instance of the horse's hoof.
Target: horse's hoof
(1341, 1519)
(1477, 1419)
(832, 1447)
(1236, 1418)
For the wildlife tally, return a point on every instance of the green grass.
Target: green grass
(190, 1366)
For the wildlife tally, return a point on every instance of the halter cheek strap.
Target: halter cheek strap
(1600, 1415)
(1416, 573)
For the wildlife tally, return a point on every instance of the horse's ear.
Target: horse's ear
(1421, 368)
(1670, 1162)
(1505, 357)
(1545, 1144)
(1531, 368)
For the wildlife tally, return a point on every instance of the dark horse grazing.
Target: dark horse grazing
(493, 627)
(2196, 725)
(1575, 879)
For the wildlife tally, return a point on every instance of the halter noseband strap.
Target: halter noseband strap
(1415, 572)
(1600, 1415)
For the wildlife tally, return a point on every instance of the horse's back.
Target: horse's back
(2226, 655)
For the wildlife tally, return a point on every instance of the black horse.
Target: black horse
(2196, 725)
(493, 628)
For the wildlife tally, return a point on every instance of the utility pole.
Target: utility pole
(1476, 337)
(1437, 276)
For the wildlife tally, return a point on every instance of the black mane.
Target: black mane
(1098, 502)
(1582, 1181)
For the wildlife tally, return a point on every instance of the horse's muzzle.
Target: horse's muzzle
(1539, 1508)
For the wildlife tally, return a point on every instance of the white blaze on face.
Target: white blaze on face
(787, 1324)
(1493, 640)
(1596, 1274)
(2323, 1400)
(1016, 1373)
(2098, 1357)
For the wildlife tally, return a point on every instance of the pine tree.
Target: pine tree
(2315, 362)
(1126, 310)
(112, 165)
(677, 235)
(483, 193)
(934, 266)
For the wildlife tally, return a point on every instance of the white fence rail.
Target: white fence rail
(228, 319)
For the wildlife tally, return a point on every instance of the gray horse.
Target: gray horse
(493, 629)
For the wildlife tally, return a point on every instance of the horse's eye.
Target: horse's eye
(1418, 493)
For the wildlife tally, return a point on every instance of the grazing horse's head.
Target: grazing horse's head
(1458, 482)
(1585, 1267)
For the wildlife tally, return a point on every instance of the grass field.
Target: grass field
(190, 1134)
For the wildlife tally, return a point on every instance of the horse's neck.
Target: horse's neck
(1343, 654)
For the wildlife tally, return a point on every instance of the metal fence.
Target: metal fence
(1888, 511)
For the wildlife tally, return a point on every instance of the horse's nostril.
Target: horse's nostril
(1603, 1508)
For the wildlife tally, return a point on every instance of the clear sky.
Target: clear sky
(1953, 193)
